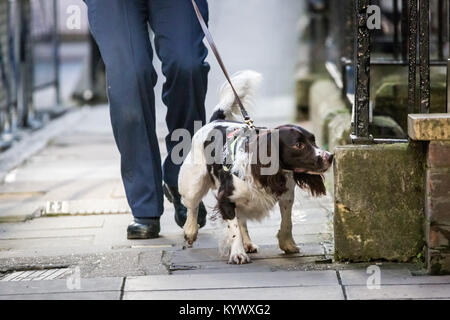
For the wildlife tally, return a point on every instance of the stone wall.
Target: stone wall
(379, 202)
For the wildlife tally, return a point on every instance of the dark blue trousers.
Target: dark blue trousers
(120, 28)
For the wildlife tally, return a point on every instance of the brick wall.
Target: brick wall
(437, 207)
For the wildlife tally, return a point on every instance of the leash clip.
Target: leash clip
(249, 123)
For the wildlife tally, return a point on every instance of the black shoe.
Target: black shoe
(144, 231)
(174, 197)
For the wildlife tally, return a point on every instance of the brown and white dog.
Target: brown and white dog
(225, 156)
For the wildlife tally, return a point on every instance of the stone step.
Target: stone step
(428, 127)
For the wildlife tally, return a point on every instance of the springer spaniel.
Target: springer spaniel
(251, 170)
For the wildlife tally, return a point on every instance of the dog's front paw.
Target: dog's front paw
(190, 237)
(239, 258)
(289, 246)
(190, 233)
(251, 247)
(290, 249)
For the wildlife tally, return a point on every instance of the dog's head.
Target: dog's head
(298, 152)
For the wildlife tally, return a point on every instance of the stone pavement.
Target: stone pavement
(396, 283)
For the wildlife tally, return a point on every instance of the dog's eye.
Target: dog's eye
(299, 146)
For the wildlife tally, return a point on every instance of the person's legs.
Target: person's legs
(121, 30)
(179, 45)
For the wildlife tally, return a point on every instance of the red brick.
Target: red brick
(437, 204)
(438, 236)
(438, 155)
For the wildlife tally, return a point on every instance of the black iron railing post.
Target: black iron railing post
(404, 30)
(362, 72)
(24, 64)
(412, 54)
(448, 86)
(56, 52)
(441, 28)
(424, 55)
(396, 19)
(5, 90)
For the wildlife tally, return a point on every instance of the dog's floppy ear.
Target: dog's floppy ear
(311, 182)
(275, 182)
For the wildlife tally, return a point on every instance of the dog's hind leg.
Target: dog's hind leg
(249, 246)
(191, 201)
(193, 183)
(285, 239)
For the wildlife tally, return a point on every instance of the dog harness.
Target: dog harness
(235, 139)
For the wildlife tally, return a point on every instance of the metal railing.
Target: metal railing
(26, 27)
(351, 44)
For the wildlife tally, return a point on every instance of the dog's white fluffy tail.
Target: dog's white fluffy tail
(246, 83)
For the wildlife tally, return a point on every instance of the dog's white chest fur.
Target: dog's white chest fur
(252, 201)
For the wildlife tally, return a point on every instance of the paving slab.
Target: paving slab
(68, 171)
(257, 265)
(136, 262)
(268, 238)
(36, 141)
(84, 189)
(19, 211)
(291, 293)
(47, 243)
(301, 228)
(57, 235)
(425, 291)
(54, 223)
(232, 281)
(17, 188)
(106, 295)
(194, 255)
(390, 277)
(46, 234)
(60, 286)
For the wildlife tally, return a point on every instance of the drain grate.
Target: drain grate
(36, 275)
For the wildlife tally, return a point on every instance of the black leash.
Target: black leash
(210, 40)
